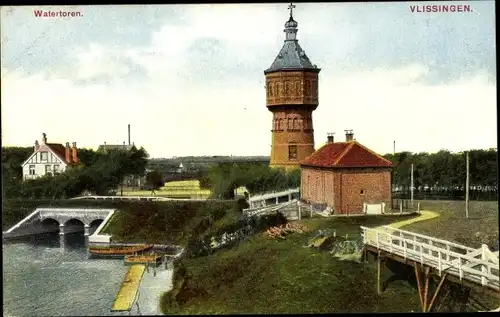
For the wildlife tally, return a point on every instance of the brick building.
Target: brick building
(346, 175)
(292, 96)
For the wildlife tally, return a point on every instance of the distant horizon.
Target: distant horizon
(253, 155)
(189, 79)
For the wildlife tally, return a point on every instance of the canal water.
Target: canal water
(44, 277)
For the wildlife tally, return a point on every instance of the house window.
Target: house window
(32, 169)
(44, 156)
(48, 169)
(292, 152)
(56, 169)
(362, 192)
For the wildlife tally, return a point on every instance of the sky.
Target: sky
(189, 78)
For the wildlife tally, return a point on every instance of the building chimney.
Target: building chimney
(67, 153)
(37, 146)
(349, 135)
(44, 138)
(74, 153)
(129, 134)
(329, 137)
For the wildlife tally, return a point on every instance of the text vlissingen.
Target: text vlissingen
(440, 8)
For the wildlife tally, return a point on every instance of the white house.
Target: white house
(49, 159)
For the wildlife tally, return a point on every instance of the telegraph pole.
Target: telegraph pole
(467, 186)
(394, 147)
(411, 186)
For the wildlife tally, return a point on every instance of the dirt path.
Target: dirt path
(424, 215)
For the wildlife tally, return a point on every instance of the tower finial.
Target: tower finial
(291, 26)
(291, 7)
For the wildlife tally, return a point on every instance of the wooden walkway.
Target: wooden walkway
(465, 265)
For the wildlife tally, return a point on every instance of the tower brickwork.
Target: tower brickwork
(292, 96)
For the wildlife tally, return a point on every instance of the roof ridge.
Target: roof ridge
(372, 152)
(344, 152)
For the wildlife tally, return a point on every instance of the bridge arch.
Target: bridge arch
(50, 224)
(74, 221)
(49, 220)
(96, 222)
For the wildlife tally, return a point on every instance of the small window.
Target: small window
(362, 192)
(44, 156)
(56, 169)
(292, 152)
(32, 169)
(48, 169)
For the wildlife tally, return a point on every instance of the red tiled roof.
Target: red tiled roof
(345, 154)
(59, 150)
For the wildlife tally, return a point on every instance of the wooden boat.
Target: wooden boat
(120, 250)
(142, 259)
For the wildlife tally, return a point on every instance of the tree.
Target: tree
(154, 179)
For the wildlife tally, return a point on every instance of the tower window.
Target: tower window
(362, 192)
(292, 152)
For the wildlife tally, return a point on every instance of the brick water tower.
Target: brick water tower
(292, 96)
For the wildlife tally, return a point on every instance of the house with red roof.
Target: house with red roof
(346, 177)
(49, 159)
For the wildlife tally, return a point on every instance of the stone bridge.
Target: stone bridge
(66, 218)
(64, 215)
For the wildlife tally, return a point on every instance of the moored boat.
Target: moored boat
(120, 250)
(142, 259)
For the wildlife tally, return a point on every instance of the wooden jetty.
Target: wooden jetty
(128, 291)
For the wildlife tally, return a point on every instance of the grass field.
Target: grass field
(178, 189)
(481, 227)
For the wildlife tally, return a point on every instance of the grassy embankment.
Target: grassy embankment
(177, 189)
(262, 275)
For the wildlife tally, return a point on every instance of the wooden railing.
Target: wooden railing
(480, 266)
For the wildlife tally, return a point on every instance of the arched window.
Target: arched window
(281, 124)
(300, 123)
(307, 88)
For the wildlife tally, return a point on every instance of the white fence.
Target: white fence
(480, 266)
(260, 200)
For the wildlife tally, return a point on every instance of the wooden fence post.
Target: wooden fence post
(484, 269)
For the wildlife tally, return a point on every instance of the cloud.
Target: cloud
(189, 79)
(380, 105)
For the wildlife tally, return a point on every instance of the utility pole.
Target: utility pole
(411, 186)
(394, 148)
(467, 186)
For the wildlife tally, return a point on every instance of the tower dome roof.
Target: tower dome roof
(291, 55)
